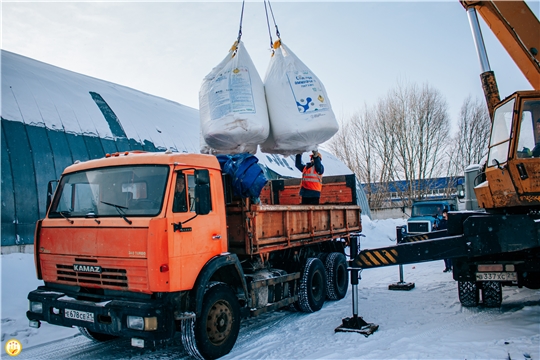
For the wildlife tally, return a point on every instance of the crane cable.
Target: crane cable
(234, 48)
(273, 45)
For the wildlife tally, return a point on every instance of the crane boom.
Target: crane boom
(517, 29)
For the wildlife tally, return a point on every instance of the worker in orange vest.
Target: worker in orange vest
(311, 186)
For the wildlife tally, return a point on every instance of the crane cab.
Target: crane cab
(512, 175)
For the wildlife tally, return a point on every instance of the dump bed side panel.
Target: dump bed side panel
(267, 228)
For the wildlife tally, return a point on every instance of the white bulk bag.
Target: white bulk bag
(300, 113)
(232, 106)
(205, 149)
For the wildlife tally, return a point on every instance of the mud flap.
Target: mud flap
(358, 325)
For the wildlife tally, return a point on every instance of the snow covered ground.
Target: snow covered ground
(427, 322)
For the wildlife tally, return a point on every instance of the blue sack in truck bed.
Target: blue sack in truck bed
(247, 176)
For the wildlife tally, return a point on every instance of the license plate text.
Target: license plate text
(79, 315)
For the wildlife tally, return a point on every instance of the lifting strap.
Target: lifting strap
(234, 47)
(273, 45)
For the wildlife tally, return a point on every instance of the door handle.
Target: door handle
(216, 237)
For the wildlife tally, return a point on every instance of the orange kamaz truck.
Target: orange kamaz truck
(147, 245)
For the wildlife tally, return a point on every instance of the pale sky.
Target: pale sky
(359, 50)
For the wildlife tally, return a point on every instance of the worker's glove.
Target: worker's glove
(316, 154)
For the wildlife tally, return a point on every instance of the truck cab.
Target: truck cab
(426, 214)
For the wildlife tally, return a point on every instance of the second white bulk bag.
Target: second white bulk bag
(232, 105)
(299, 110)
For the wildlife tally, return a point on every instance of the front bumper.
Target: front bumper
(110, 316)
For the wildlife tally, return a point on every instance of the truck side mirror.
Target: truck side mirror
(202, 177)
(51, 188)
(460, 191)
(203, 202)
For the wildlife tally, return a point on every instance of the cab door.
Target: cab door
(525, 165)
(196, 238)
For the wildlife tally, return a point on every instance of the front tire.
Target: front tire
(312, 289)
(468, 293)
(338, 276)
(216, 329)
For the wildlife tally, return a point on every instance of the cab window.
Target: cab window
(500, 134)
(529, 134)
(180, 202)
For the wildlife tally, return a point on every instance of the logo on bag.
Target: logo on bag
(304, 107)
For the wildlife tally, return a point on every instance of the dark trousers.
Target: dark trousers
(310, 200)
(448, 263)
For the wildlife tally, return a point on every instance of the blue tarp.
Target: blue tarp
(247, 176)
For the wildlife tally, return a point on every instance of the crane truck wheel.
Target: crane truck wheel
(312, 289)
(217, 327)
(468, 293)
(492, 293)
(94, 336)
(337, 276)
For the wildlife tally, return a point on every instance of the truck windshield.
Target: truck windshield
(112, 191)
(427, 210)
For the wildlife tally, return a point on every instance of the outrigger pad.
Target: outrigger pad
(358, 325)
(401, 286)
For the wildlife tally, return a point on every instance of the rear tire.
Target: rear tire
(216, 329)
(468, 293)
(312, 289)
(97, 337)
(492, 293)
(337, 276)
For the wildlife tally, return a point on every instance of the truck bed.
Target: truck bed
(280, 222)
(266, 228)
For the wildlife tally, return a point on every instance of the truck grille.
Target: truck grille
(110, 277)
(418, 227)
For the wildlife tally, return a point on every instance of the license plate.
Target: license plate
(79, 315)
(496, 276)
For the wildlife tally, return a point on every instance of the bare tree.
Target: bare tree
(423, 124)
(402, 137)
(472, 138)
(358, 145)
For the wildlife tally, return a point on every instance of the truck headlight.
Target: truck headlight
(36, 307)
(135, 322)
(142, 323)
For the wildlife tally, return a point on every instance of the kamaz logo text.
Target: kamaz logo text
(87, 268)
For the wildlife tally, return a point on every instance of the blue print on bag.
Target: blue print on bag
(304, 108)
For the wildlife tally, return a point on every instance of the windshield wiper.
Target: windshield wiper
(120, 210)
(63, 213)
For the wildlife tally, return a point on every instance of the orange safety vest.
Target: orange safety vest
(311, 180)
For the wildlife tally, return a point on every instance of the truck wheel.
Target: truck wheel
(337, 276)
(187, 335)
(217, 327)
(468, 293)
(94, 336)
(312, 289)
(322, 256)
(492, 293)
